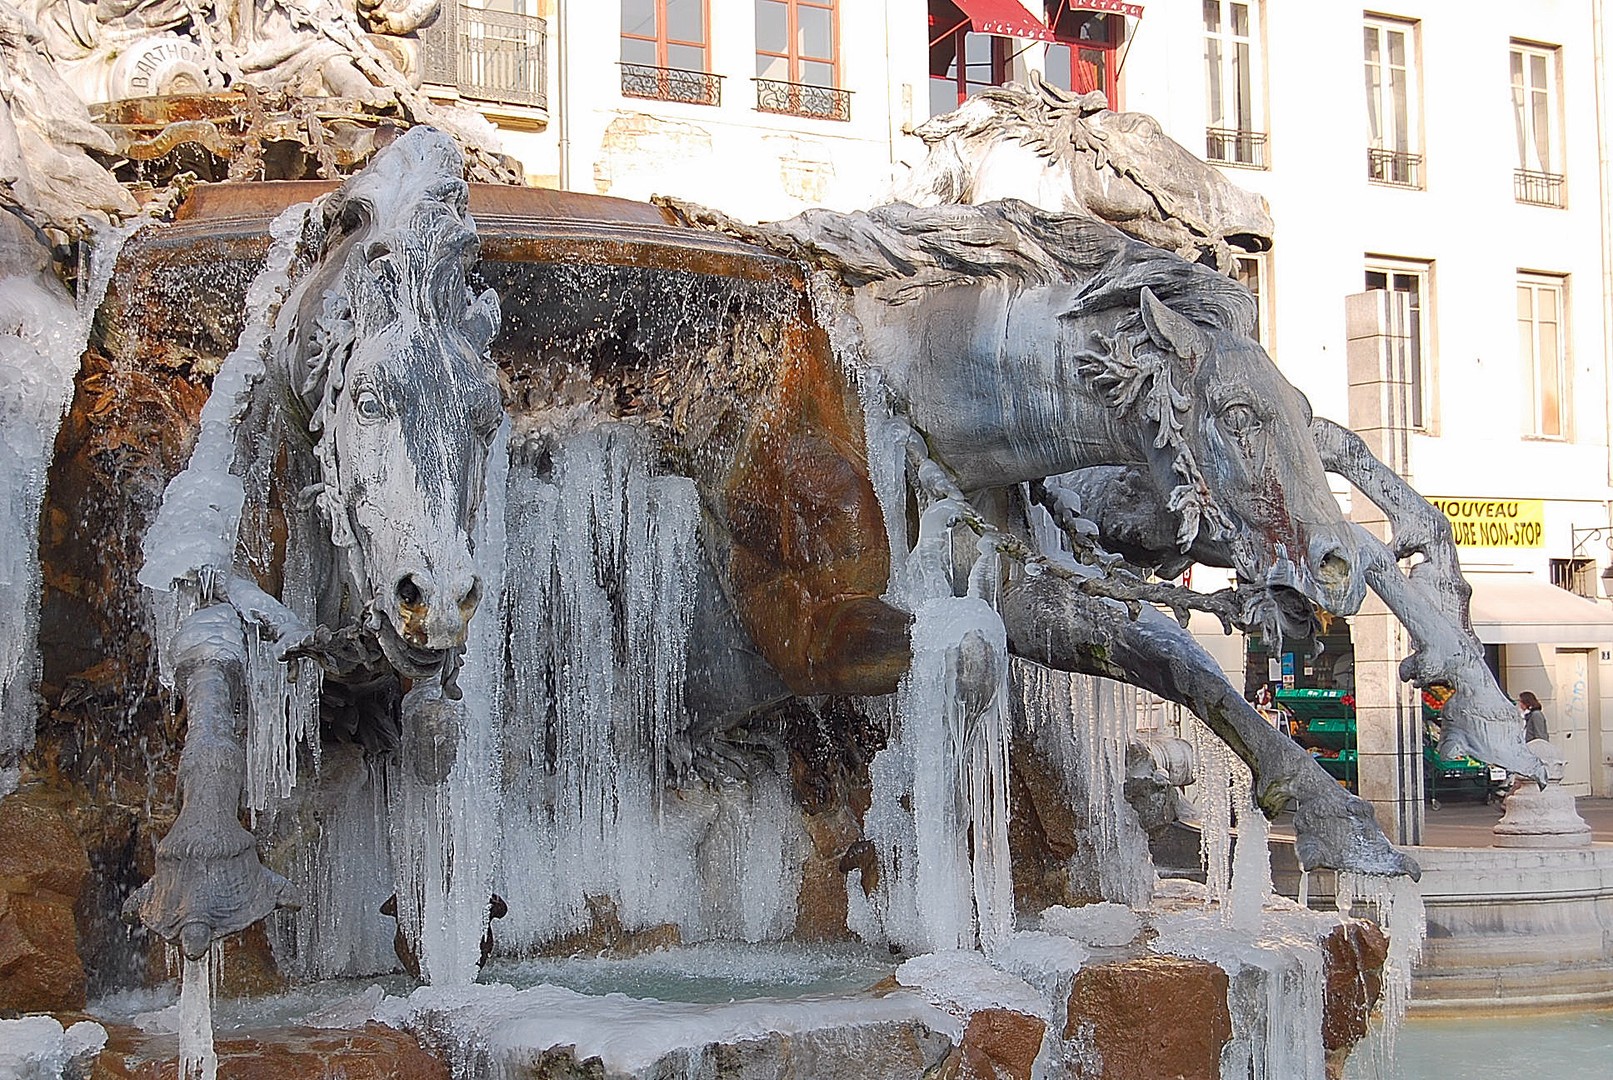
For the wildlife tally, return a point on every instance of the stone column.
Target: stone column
(1388, 715)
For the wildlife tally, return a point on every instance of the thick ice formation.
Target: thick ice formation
(603, 556)
(197, 1061)
(444, 841)
(37, 1048)
(497, 1032)
(42, 337)
(1397, 906)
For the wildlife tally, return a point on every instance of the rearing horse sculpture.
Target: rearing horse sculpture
(359, 407)
(1063, 153)
(1020, 345)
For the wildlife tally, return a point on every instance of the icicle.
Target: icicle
(1251, 861)
(1212, 795)
(197, 1061)
(1397, 906)
(602, 608)
(40, 352)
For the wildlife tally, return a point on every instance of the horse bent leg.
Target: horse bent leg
(1050, 621)
(1432, 603)
(209, 882)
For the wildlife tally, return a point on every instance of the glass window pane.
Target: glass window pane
(943, 96)
(773, 67)
(772, 27)
(1551, 390)
(1517, 68)
(1537, 70)
(1526, 302)
(816, 32)
(1058, 66)
(686, 20)
(1212, 71)
(1243, 105)
(816, 74)
(1397, 48)
(1370, 40)
(638, 51)
(1212, 16)
(1240, 20)
(1542, 125)
(1377, 279)
(638, 17)
(687, 57)
(1399, 137)
(1547, 304)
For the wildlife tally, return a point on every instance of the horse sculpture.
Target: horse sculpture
(1060, 153)
(1021, 345)
(359, 409)
(1073, 153)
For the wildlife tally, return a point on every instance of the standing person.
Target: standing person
(1534, 720)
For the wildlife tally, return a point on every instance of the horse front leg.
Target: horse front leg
(1479, 720)
(209, 882)
(1052, 622)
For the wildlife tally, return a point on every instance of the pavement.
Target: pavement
(1467, 823)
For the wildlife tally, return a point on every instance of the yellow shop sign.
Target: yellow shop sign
(1495, 522)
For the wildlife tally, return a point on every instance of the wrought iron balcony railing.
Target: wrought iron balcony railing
(491, 56)
(1538, 188)
(801, 99)
(1396, 167)
(1233, 146)
(671, 84)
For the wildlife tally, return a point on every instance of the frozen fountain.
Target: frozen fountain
(767, 639)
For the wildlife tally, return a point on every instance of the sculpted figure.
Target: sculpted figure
(114, 49)
(1074, 153)
(1020, 345)
(368, 373)
(1061, 153)
(45, 136)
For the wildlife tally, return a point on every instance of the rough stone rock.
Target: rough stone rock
(1000, 1044)
(607, 936)
(43, 869)
(371, 1052)
(1154, 1018)
(1352, 966)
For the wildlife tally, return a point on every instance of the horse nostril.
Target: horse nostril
(1335, 570)
(409, 592)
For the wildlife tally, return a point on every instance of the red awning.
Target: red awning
(1113, 7)
(1004, 17)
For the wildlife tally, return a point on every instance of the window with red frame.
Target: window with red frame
(665, 33)
(798, 41)
(962, 62)
(1085, 55)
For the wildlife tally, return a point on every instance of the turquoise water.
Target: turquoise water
(708, 973)
(1568, 1046)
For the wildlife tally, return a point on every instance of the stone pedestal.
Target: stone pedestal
(1541, 818)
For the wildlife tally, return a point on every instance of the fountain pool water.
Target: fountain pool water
(1562, 1046)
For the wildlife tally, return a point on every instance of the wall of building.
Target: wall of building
(753, 164)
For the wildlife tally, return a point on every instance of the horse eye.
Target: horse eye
(1239, 419)
(369, 405)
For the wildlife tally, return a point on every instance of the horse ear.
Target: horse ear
(1172, 331)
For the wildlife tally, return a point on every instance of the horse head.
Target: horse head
(1232, 447)
(388, 346)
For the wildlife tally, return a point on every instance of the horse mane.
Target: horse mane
(1041, 117)
(395, 238)
(902, 252)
